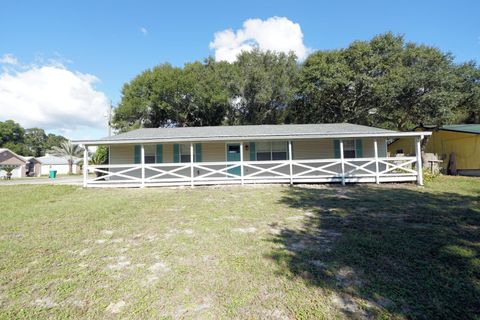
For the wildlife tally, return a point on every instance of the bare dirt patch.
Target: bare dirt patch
(116, 307)
(245, 230)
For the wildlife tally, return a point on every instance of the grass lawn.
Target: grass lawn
(388, 251)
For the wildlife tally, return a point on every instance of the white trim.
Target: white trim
(313, 170)
(418, 154)
(375, 149)
(241, 162)
(142, 161)
(85, 166)
(290, 158)
(191, 162)
(342, 161)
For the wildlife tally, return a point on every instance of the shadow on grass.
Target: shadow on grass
(387, 251)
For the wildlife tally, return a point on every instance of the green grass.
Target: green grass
(389, 251)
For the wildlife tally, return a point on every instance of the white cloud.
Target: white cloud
(144, 31)
(276, 34)
(8, 58)
(53, 98)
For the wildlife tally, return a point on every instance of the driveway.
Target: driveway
(65, 180)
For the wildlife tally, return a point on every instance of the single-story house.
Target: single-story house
(60, 164)
(463, 140)
(33, 167)
(297, 153)
(8, 157)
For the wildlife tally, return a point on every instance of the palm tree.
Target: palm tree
(69, 151)
(8, 168)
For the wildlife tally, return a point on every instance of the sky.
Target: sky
(63, 62)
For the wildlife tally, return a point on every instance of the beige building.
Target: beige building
(310, 153)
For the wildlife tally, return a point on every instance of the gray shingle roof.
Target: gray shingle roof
(253, 132)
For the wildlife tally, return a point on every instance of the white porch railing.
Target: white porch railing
(382, 169)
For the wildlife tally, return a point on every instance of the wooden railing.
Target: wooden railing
(242, 172)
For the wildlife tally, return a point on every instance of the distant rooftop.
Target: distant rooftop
(467, 128)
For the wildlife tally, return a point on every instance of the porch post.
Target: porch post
(290, 161)
(142, 161)
(418, 153)
(191, 164)
(375, 148)
(342, 162)
(85, 166)
(241, 162)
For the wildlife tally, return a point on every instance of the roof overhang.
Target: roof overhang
(256, 137)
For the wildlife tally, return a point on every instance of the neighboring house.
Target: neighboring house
(461, 139)
(8, 157)
(252, 154)
(57, 163)
(33, 167)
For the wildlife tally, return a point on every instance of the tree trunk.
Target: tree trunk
(70, 166)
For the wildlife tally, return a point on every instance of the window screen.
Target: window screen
(150, 152)
(267, 151)
(184, 153)
(349, 148)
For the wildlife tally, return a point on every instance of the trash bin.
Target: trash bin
(52, 174)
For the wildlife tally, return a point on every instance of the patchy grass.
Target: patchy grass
(390, 251)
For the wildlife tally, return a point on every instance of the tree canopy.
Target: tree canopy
(27, 142)
(385, 82)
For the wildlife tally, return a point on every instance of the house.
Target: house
(33, 167)
(463, 140)
(49, 162)
(8, 157)
(300, 153)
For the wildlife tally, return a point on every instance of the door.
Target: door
(233, 154)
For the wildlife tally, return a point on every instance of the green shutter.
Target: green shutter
(159, 153)
(358, 148)
(176, 153)
(137, 158)
(253, 151)
(336, 149)
(198, 152)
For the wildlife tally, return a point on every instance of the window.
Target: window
(184, 153)
(349, 148)
(150, 153)
(234, 148)
(264, 151)
(267, 151)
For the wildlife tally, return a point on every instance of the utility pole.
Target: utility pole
(109, 119)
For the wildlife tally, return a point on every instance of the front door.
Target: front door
(233, 154)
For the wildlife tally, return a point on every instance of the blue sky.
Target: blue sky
(104, 39)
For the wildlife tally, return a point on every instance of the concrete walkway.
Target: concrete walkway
(64, 180)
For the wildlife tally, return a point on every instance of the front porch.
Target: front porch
(238, 168)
